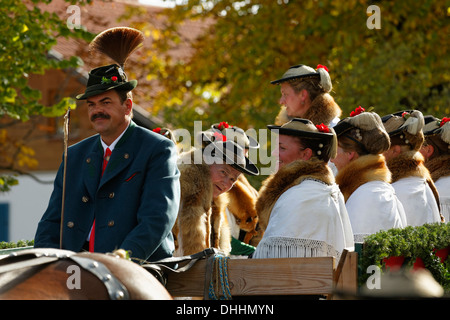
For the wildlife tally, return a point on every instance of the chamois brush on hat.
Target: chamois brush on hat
(118, 44)
(405, 128)
(366, 129)
(302, 72)
(320, 138)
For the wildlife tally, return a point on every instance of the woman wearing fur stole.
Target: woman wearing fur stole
(241, 212)
(363, 176)
(300, 207)
(436, 150)
(305, 93)
(410, 178)
(206, 175)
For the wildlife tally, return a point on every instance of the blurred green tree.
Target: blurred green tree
(27, 34)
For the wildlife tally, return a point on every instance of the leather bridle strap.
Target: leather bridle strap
(116, 290)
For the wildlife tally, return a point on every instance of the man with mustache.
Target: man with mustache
(122, 185)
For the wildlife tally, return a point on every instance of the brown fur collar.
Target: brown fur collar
(242, 205)
(201, 220)
(286, 177)
(323, 109)
(439, 166)
(195, 181)
(360, 171)
(408, 164)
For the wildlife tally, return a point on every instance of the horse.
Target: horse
(56, 274)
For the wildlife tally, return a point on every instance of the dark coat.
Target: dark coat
(135, 203)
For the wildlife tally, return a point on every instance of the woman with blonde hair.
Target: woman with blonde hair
(364, 177)
(305, 93)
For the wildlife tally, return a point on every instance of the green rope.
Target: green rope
(221, 277)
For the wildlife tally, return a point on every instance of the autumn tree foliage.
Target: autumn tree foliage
(27, 35)
(246, 44)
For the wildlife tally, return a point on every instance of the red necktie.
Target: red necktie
(92, 236)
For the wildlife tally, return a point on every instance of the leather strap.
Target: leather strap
(116, 290)
(158, 268)
(164, 263)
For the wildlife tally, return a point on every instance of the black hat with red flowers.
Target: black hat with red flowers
(106, 78)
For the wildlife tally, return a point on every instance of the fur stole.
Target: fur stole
(288, 176)
(439, 166)
(323, 109)
(360, 171)
(201, 221)
(242, 200)
(411, 164)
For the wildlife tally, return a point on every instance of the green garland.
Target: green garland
(410, 243)
(18, 244)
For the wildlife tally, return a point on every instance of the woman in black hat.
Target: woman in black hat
(301, 209)
(206, 175)
(410, 178)
(363, 176)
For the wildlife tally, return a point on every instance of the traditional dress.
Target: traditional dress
(415, 188)
(370, 199)
(303, 213)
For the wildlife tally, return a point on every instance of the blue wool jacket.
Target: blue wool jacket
(135, 203)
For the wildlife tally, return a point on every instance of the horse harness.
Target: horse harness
(36, 257)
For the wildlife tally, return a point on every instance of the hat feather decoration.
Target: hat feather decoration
(414, 123)
(325, 80)
(118, 43)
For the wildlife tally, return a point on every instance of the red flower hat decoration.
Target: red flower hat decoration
(444, 121)
(319, 66)
(223, 125)
(322, 128)
(357, 111)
